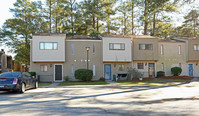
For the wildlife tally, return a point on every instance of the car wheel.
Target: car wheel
(23, 88)
(36, 85)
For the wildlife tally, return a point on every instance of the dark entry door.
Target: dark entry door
(107, 71)
(151, 69)
(58, 72)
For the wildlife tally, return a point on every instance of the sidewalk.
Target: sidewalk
(112, 84)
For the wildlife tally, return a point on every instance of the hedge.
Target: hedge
(84, 74)
(32, 73)
(176, 71)
(160, 74)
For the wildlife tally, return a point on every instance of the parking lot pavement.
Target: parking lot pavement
(103, 100)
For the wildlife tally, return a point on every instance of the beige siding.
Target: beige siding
(47, 76)
(144, 71)
(193, 54)
(48, 55)
(117, 55)
(115, 69)
(78, 60)
(171, 57)
(145, 54)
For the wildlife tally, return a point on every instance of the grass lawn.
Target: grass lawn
(44, 84)
(145, 82)
(83, 83)
(178, 80)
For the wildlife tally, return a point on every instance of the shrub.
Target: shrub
(84, 74)
(132, 72)
(66, 78)
(101, 79)
(176, 71)
(32, 73)
(160, 74)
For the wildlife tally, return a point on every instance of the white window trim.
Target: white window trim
(44, 67)
(72, 49)
(161, 50)
(162, 66)
(72, 70)
(179, 49)
(141, 63)
(94, 68)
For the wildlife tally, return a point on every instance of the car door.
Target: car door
(27, 79)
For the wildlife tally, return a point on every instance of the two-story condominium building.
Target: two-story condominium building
(54, 56)
(171, 53)
(145, 54)
(117, 55)
(192, 54)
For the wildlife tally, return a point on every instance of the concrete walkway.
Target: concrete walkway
(195, 79)
(160, 79)
(53, 84)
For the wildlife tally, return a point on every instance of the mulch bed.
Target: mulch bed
(84, 81)
(136, 79)
(177, 77)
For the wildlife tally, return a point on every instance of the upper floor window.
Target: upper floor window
(195, 47)
(48, 46)
(145, 46)
(117, 46)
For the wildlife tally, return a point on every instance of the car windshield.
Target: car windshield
(10, 75)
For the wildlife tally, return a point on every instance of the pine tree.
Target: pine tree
(18, 31)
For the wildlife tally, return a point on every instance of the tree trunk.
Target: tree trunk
(93, 21)
(132, 16)
(72, 19)
(194, 27)
(108, 24)
(124, 23)
(145, 18)
(97, 18)
(50, 16)
(154, 24)
(56, 23)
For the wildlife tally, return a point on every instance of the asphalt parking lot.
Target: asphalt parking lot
(179, 100)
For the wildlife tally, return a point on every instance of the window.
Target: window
(145, 46)
(120, 67)
(43, 68)
(179, 49)
(117, 46)
(25, 74)
(93, 70)
(48, 46)
(161, 50)
(72, 69)
(93, 48)
(180, 65)
(72, 49)
(140, 65)
(195, 47)
(162, 66)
